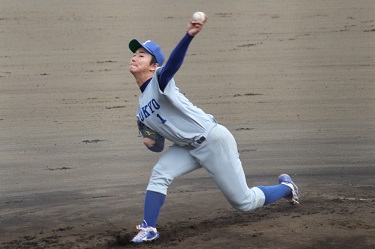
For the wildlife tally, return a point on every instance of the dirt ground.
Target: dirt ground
(293, 80)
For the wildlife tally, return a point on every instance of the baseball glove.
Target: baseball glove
(149, 133)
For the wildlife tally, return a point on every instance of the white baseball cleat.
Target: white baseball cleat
(147, 233)
(293, 198)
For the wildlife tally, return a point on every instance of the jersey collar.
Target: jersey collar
(143, 87)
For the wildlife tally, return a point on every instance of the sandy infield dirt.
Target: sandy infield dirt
(294, 81)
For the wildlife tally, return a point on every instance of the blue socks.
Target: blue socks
(153, 203)
(273, 193)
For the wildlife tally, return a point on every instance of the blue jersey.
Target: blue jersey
(171, 114)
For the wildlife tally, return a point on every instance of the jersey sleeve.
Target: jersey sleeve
(174, 62)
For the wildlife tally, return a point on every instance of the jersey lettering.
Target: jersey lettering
(141, 117)
(162, 119)
(145, 112)
(155, 104)
(149, 109)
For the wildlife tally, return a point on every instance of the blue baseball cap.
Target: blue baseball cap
(150, 46)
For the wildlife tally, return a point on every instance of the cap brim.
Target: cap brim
(134, 45)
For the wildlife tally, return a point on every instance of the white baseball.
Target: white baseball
(199, 16)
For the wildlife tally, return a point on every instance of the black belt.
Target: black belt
(201, 140)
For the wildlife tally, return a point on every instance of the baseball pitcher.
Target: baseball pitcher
(198, 139)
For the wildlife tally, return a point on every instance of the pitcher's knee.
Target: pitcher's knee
(255, 199)
(159, 182)
(246, 207)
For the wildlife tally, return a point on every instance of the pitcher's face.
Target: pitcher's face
(140, 62)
